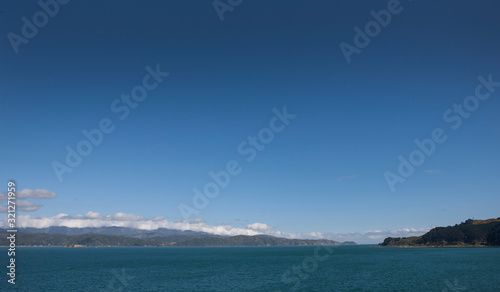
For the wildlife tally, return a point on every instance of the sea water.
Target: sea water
(337, 268)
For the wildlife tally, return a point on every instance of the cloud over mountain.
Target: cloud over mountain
(94, 219)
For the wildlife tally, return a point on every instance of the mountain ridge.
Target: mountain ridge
(115, 230)
(137, 237)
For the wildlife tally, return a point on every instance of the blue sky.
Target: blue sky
(323, 173)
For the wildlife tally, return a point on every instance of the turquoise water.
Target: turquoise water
(346, 268)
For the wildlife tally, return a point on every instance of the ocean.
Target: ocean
(309, 268)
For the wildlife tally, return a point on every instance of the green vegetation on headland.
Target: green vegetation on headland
(468, 233)
(95, 240)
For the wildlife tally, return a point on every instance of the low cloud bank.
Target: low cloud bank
(94, 219)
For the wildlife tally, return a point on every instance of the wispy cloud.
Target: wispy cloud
(346, 177)
(432, 171)
(261, 227)
(23, 205)
(94, 219)
(224, 223)
(30, 194)
(196, 221)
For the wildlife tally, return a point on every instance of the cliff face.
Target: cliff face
(468, 233)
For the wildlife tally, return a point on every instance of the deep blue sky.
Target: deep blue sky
(225, 79)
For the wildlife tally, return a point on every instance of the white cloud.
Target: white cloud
(94, 219)
(27, 206)
(92, 215)
(375, 236)
(30, 194)
(196, 221)
(124, 217)
(23, 205)
(62, 216)
(259, 227)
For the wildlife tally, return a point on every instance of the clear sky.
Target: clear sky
(324, 171)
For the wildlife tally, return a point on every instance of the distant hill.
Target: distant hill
(48, 238)
(242, 240)
(89, 239)
(120, 231)
(468, 233)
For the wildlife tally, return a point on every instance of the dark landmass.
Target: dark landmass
(48, 238)
(469, 233)
(89, 239)
(120, 231)
(242, 240)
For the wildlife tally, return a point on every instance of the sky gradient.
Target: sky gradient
(323, 172)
